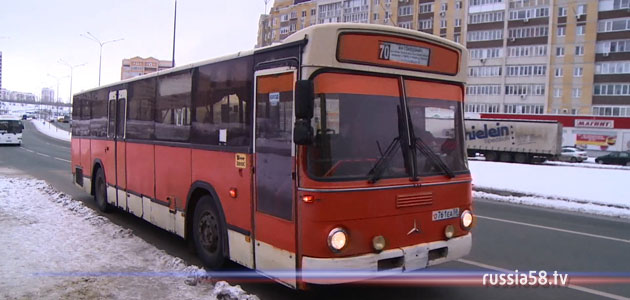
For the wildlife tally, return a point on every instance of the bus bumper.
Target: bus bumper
(386, 263)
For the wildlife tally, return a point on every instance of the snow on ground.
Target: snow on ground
(54, 247)
(51, 130)
(592, 190)
(588, 163)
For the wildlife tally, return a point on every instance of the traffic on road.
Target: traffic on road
(508, 237)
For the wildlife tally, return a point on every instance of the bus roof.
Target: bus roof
(322, 33)
(326, 37)
(321, 28)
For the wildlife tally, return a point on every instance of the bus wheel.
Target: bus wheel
(208, 233)
(100, 191)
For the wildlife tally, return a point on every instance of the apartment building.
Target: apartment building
(611, 84)
(526, 56)
(48, 95)
(136, 66)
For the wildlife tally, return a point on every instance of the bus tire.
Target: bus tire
(209, 233)
(100, 191)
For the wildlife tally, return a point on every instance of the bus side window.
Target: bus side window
(222, 103)
(172, 113)
(141, 109)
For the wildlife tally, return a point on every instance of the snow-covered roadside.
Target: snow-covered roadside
(54, 247)
(589, 163)
(590, 190)
(51, 130)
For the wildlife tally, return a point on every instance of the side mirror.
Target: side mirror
(304, 99)
(303, 132)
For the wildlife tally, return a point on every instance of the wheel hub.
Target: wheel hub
(208, 229)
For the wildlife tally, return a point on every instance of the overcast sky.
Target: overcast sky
(35, 35)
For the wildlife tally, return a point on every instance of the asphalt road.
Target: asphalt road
(506, 237)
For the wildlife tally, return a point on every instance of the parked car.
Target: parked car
(572, 154)
(614, 158)
(63, 119)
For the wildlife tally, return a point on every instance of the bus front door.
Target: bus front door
(274, 216)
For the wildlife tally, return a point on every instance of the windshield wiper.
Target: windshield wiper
(434, 158)
(382, 163)
(421, 146)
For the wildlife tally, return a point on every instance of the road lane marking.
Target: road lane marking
(571, 286)
(557, 229)
(61, 159)
(29, 150)
(65, 147)
(46, 155)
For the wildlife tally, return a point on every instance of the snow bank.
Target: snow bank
(54, 247)
(51, 130)
(589, 163)
(594, 190)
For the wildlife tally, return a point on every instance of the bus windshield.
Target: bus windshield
(11, 126)
(354, 129)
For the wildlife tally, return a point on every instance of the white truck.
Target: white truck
(521, 141)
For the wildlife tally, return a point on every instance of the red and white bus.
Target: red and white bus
(340, 149)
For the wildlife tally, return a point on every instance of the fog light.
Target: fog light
(449, 231)
(378, 242)
(337, 239)
(467, 219)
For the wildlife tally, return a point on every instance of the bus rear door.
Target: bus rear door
(117, 111)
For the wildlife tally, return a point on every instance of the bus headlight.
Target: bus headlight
(467, 219)
(337, 239)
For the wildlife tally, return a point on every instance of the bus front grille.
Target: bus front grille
(420, 199)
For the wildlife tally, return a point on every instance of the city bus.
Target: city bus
(339, 150)
(11, 130)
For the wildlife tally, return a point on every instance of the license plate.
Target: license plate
(445, 214)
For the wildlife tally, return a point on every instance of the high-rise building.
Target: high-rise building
(48, 95)
(525, 56)
(136, 66)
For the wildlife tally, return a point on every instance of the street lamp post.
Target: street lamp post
(174, 31)
(57, 92)
(61, 61)
(91, 37)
